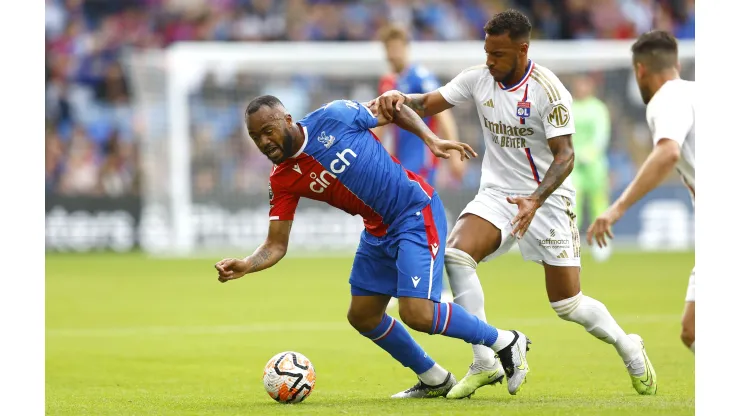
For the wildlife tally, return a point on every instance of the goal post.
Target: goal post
(204, 187)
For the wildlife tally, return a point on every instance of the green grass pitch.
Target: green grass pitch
(128, 335)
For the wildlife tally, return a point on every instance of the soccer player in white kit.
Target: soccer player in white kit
(525, 196)
(670, 116)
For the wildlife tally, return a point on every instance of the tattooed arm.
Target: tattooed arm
(562, 150)
(266, 255)
(425, 105)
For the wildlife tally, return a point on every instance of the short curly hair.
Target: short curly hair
(511, 21)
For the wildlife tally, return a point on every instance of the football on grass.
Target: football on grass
(289, 377)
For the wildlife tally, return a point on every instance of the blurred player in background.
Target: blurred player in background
(527, 117)
(591, 168)
(670, 116)
(332, 156)
(408, 149)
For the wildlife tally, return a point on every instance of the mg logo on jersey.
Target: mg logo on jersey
(321, 181)
(335, 165)
(559, 116)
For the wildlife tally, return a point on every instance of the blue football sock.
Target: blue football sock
(452, 320)
(391, 336)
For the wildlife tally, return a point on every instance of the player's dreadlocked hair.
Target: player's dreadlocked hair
(263, 100)
(657, 49)
(511, 21)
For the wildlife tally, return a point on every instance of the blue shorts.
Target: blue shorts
(408, 263)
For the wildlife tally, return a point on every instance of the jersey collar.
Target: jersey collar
(527, 73)
(305, 142)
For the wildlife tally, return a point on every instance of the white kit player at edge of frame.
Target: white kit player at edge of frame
(525, 196)
(670, 116)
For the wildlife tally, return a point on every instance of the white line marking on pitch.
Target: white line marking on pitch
(310, 327)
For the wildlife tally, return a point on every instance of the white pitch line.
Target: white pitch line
(521, 324)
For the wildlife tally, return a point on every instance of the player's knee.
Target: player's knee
(565, 308)
(687, 335)
(363, 321)
(416, 313)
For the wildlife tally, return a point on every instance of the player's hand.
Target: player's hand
(528, 206)
(602, 227)
(230, 269)
(388, 101)
(441, 148)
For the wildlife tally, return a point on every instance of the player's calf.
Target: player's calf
(367, 315)
(416, 313)
(366, 312)
(596, 319)
(688, 326)
(687, 336)
(452, 320)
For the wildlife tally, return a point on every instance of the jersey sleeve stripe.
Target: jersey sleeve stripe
(537, 79)
(274, 218)
(546, 80)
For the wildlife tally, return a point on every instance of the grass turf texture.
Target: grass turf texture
(127, 335)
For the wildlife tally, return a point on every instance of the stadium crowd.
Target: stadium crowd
(91, 128)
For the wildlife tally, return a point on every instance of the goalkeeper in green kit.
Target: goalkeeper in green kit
(591, 170)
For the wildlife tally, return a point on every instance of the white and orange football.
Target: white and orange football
(289, 377)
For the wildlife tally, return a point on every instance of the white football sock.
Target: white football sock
(434, 376)
(505, 338)
(597, 320)
(468, 293)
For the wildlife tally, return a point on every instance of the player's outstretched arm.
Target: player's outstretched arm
(425, 105)
(448, 130)
(266, 255)
(408, 120)
(659, 164)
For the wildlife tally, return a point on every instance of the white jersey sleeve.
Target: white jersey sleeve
(462, 87)
(555, 105)
(670, 115)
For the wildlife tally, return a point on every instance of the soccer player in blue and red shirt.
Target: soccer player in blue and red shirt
(332, 156)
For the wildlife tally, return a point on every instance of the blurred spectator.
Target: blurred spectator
(91, 142)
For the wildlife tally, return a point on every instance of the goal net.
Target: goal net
(204, 183)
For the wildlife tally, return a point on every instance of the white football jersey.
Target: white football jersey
(517, 123)
(670, 115)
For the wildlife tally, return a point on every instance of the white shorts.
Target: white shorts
(552, 237)
(690, 295)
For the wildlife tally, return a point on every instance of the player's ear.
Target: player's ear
(288, 119)
(524, 48)
(639, 70)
